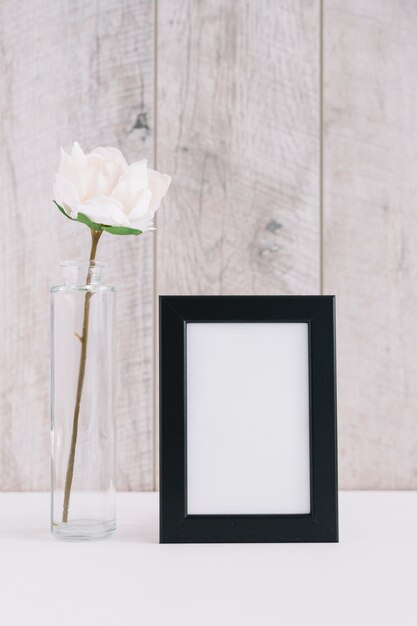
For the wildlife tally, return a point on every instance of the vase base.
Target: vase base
(83, 530)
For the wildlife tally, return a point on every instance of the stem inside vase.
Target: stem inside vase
(95, 236)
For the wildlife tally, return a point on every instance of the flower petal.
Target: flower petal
(102, 175)
(131, 184)
(97, 183)
(66, 195)
(144, 222)
(104, 189)
(104, 210)
(73, 168)
(111, 154)
(142, 205)
(159, 185)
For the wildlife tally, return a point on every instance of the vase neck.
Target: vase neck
(80, 273)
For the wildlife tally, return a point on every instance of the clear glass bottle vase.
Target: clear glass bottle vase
(83, 427)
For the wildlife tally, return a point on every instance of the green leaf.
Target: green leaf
(113, 230)
(121, 230)
(64, 213)
(86, 220)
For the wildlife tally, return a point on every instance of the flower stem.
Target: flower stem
(95, 236)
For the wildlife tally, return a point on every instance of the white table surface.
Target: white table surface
(369, 578)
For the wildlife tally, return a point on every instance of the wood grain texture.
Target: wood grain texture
(370, 234)
(238, 129)
(70, 70)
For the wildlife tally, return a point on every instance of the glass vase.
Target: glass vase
(83, 503)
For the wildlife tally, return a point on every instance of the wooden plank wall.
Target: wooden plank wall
(70, 69)
(243, 213)
(370, 234)
(242, 147)
(289, 129)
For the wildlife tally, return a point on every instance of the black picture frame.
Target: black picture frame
(321, 524)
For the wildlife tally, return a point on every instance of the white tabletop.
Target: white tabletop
(369, 578)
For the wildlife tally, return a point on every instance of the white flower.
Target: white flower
(103, 187)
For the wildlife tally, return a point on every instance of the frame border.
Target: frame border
(321, 524)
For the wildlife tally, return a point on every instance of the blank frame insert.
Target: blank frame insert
(248, 418)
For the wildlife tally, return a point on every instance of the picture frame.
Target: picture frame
(248, 444)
